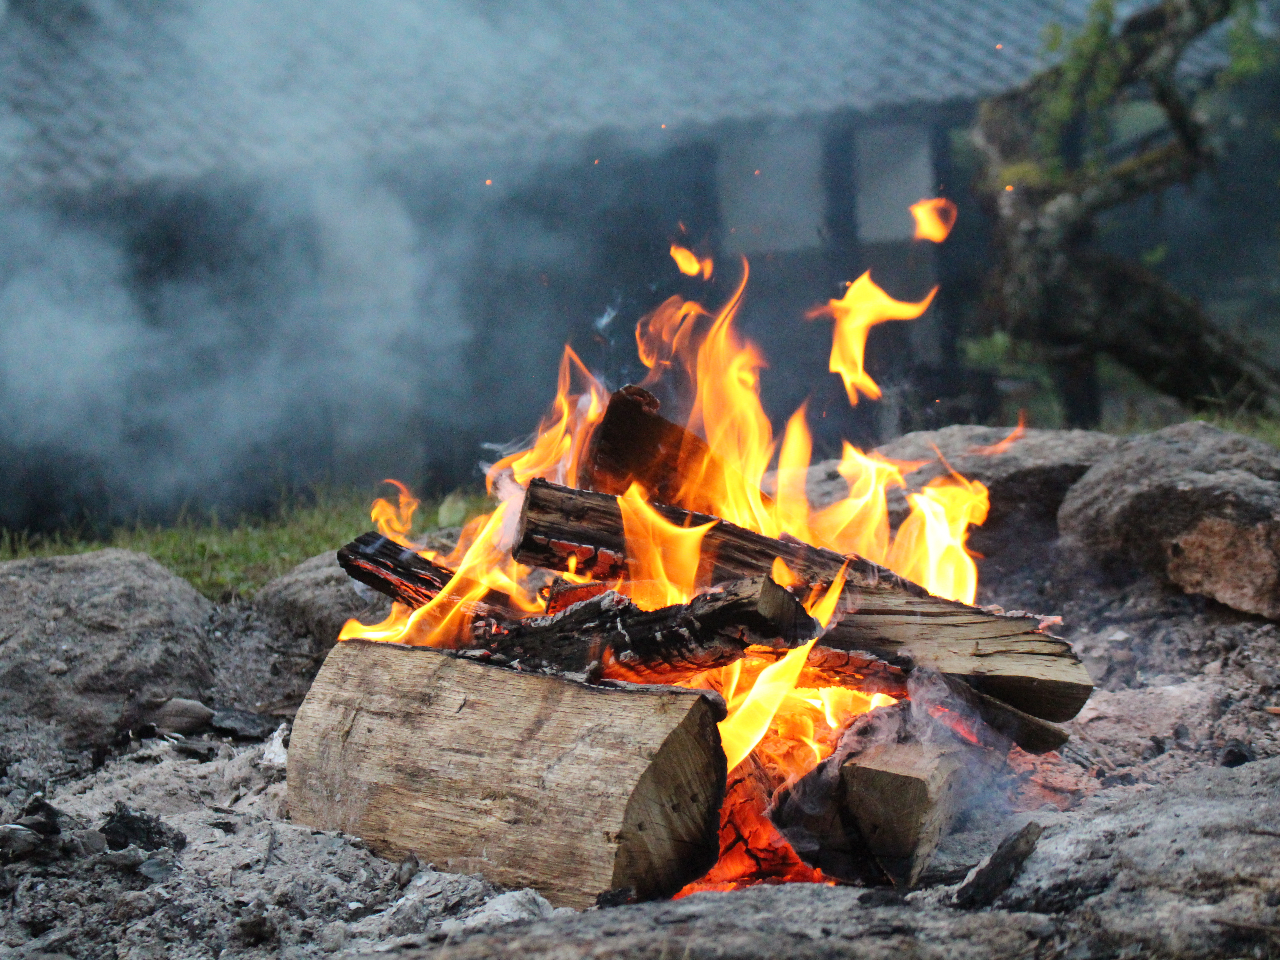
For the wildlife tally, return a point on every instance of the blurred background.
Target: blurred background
(249, 246)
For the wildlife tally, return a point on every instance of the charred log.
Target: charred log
(633, 443)
(393, 570)
(710, 631)
(891, 618)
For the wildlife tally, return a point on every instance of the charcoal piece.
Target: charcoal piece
(994, 877)
(125, 827)
(243, 724)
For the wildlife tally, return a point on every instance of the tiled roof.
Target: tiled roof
(99, 92)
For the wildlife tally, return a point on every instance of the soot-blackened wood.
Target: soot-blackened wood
(527, 779)
(393, 570)
(710, 631)
(633, 443)
(893, 618)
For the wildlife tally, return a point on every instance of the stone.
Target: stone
(180, 715)
(1195, 505)
(315, 599)
(1027, 479)
(243, 724)
(126, 629)
(17, 841)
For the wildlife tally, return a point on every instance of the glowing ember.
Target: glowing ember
(774, 732)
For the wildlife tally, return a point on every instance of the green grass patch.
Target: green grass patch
(224, 560)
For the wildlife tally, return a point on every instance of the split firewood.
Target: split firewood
(633, 443)
(1030, 733)
(527, 779)
(893, 618)
(902, 786)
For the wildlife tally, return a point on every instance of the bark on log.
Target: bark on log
(527, 779)
(1005, 657)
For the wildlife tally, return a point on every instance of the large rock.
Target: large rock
(1027, 479)
(1197, 505)
(1182, 870)
(314, 600)
(85, 639)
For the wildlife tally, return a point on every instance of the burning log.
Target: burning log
(1005, 657)
(633, 443)
(712, 630)
(881, 804)
(903, 797)
(392, 569)
(528, 779)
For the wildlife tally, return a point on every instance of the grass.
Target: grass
(224, 560)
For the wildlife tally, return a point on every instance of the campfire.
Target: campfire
(655, 668)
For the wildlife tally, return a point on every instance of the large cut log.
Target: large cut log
(527, 779)
(1005, 657)
(633, 443)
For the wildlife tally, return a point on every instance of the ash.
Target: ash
(144, 731)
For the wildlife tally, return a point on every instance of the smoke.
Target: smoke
(324, 307)
(207, 347)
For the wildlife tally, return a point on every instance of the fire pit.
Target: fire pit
(642, 675)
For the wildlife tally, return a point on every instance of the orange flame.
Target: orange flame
(662, 558)
(934, 218)
(395, 520)
(862, 307)
(690, 264)
(785, 727)
(1007, 442)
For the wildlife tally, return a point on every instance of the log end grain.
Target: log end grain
(527, 779)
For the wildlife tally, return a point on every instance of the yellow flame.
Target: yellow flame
(690, 264)
(395, 520)
(862, 307)
(748, 723)
(930, 545)
(662, 558)
(563, 435)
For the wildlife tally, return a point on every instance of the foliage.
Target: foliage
(1022, 375)
(224, 560)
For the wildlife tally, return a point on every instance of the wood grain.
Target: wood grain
(527, 779)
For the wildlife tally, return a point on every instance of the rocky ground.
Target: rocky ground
(144, 731)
